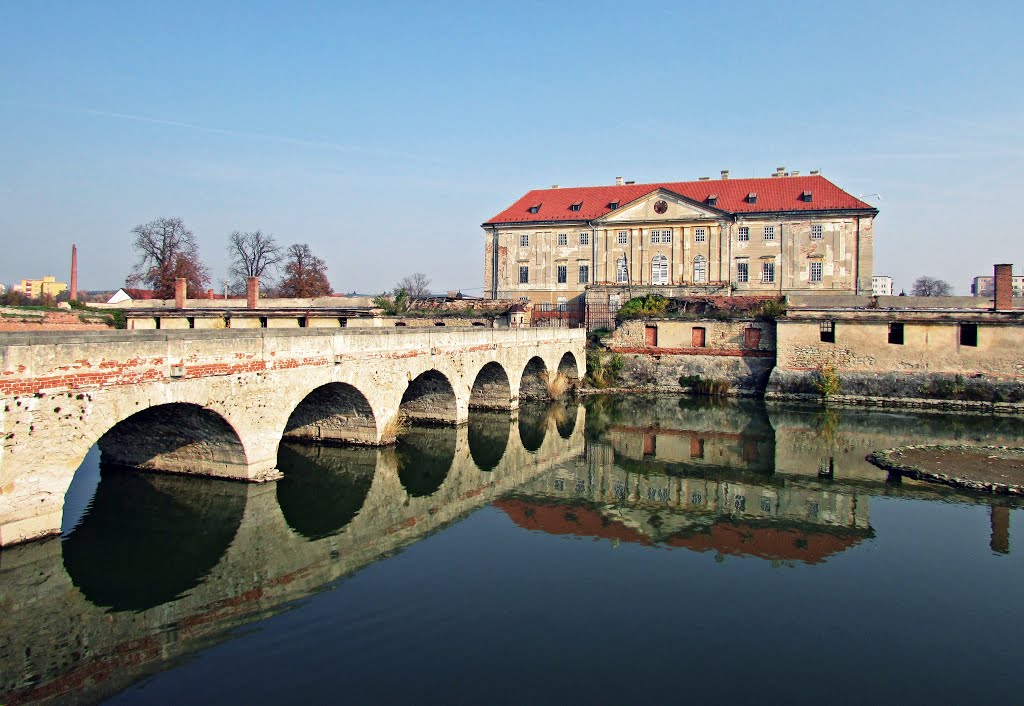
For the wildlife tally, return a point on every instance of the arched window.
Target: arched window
(621, 273)
(700, 269)
(659, 270)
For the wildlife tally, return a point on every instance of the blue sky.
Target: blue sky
(384, 133)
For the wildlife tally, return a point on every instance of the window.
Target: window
(576, 206)
(815, 270)
(561, 303)
(524, 240)
(700, 269)
(700, 235)
(659, 270)
(712, 200)
(623, 237)
(815, 231)
(661, 236)
(535, 209)
(742, 271)
(524, 274)
(769, 232)
(584, 274)
(563, 239)
(752, 197)
(969, 335)
(563, 275)
(896, 334)
(827, 331)
(584, 238)
(768, 271)
(807, 197)
(744, 235)
(621, 271)
(613, 205)
(614, 302)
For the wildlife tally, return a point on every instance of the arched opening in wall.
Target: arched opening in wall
(567, 367)
(491, 388)
(177, 437)
(323, 487)
(488, 434)
(147, 538)
(429, 398)
(425, 456)
(533, 424)
(333, 413)
(534, 382)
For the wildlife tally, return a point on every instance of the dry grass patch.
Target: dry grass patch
(556, 385)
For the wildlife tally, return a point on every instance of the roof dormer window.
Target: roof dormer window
(613, 205)
(535, 209)
(712, 200)
(752, 197)
(806, 197)
(576, 206)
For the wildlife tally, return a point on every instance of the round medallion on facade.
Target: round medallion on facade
(660, 206)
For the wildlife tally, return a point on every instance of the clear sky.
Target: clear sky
(384, 133)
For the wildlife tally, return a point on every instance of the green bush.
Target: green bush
(642, 307)
(826, 381)
(602, 373)
(771, 310)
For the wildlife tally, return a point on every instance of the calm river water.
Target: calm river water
(615, 551)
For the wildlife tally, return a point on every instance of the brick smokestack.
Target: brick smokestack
(1004, 287)
(180, 292)
(73, 296)
(252, 291)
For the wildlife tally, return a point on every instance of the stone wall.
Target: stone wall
(719, 336)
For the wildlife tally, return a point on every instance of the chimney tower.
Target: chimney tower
(73, 296)
(1004, 287)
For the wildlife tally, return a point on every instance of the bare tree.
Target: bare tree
(254, 254)
(166, 249)
(931, 287)
(305, 274)
(415, 285)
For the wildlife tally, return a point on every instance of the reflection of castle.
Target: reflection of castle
(747, 515)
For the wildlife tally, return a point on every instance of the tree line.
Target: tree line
(167, 250)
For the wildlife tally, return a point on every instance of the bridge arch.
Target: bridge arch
(180, 437)
(491, 388)
(569, 366)
(333, 412)
(532, 384)
(430, 397)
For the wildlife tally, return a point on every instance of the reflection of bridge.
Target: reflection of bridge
(219, 402)
(82, 619)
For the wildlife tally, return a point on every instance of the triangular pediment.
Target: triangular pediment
(660, 205)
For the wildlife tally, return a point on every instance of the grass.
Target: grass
(826, 381)
(394, 428)
(705, 386)
(556, 385)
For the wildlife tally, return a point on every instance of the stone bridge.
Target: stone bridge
(82, 618)
(219, 402)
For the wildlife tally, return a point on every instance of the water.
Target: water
(625, 549)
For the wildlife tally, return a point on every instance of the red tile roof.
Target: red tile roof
(774, 194)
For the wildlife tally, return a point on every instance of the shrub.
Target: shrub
(826, 380)
(640, 307)
(557, 384)
(771, 310)
(394, 428)
(711, 388)
(602, 373)
(117, 319)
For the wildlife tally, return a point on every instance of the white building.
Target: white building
(881, 286)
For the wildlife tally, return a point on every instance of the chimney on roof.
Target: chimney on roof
(779, 171)
(705, 179)
(554, 186)
(73, 296)
(618, 181)
(1004, 287)
(815, 172)
(630, 182)
(252, 292)
(180, 292)
(725, 174)
(794, 173)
